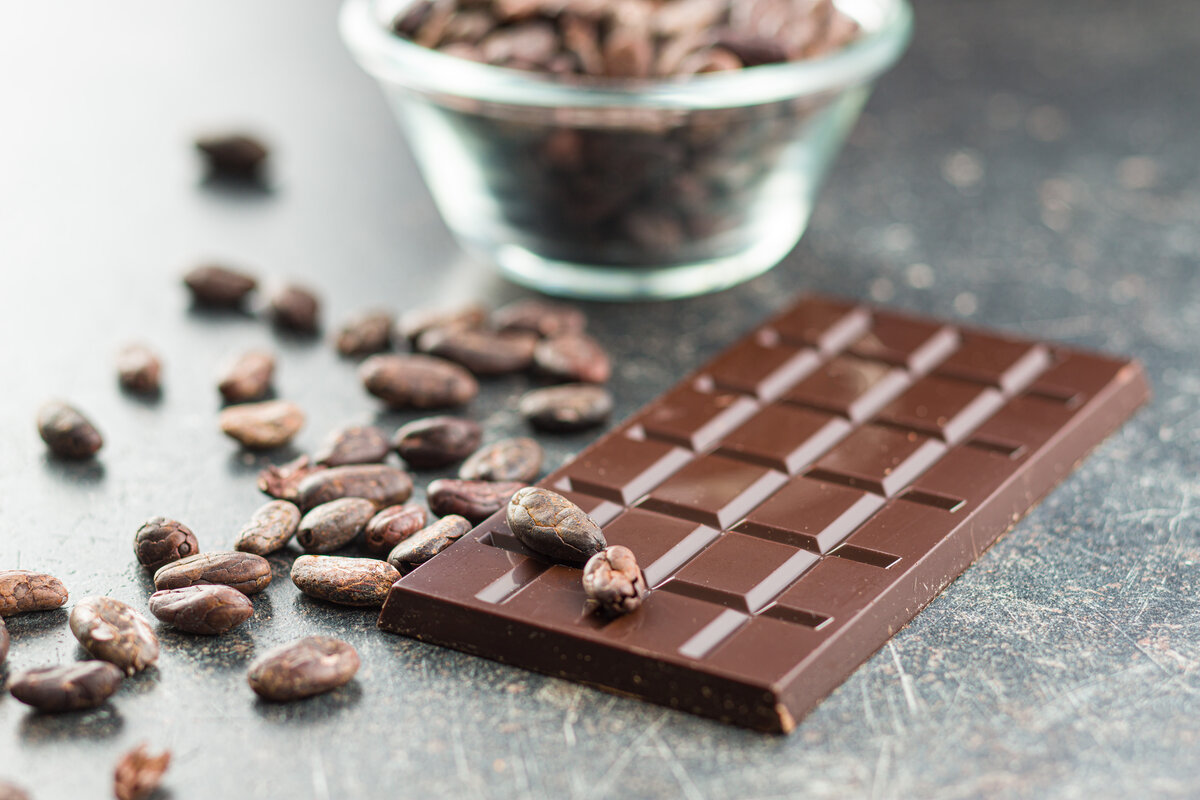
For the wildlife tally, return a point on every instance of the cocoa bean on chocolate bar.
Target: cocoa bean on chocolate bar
(614, 582)
(549, 523)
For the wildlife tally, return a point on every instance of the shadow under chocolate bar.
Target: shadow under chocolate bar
(793, 503)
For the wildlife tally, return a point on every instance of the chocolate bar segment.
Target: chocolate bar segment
(792, 503)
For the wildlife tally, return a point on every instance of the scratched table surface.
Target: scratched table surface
(1029, 165)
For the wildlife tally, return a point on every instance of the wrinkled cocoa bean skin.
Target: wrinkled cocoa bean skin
(365, 335)
(270, 528)
(414, 323)
(345, 581)
(427, 543)
(248, 377)
(70, 688)
(283, 481)
(205, 609)
(139, 370)
(160, 541)
(138, 774)
(333, 525)
(357, 444)
(539, 317)
(475, 500)
(550, 524)
(262, 426)
(614, 582)
(484, 353)
(518, 459)
(393, 525)
(575, 358)
(303, 668)
(418, 381)
(22, 590)
(437, 441)
(67, 432)
(381, 484)
(246, 572)
(112, 631)
(216, 286)
(570, 407)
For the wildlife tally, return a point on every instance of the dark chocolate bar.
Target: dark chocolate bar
(793, 503)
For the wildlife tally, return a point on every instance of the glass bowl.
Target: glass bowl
(624, 190)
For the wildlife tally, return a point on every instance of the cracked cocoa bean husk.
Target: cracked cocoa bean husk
(262, 426)
(112, 631)
(345, 581)
(217, 286)
(10, 791)
(69, 688)
(282, 481)
(614, 582)
(539, 317)
(365, 334)
(303, 668)
(357, 444)
(379, 483)
(5, 641)
(418, 381)
(160, 541)
(517, 459)
(437, 441)
(550, 524)
(428, 542)
(414, 323)
(484, 353)
(139, 370)
(205, 609)
(565, 408)
(391, 526)
(67, 432)
(238, 156)
(246, 572)
(247, 377)
(22, 591)
(333, 525)
(296, 308)
(573, 358)
(270, 528)
(138, 774)
(475, 500)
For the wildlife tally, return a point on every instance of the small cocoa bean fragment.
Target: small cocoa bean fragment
(379, 483)
(573, 358)
(283, 481)
(270, 528)
(418, 381)
(303, 668)
(246, 572)
(550, 524)
(365, 334)
(345, 581)
(539, 317)
(295, 308)
(139, 370)
(4, 641)
(160, 541)
(569, 407)
(138, 774)
(67, 432)
(262, 426)
(475, 500)
(518, 459)
(391, 526)
(217, 286)
(357, 444)
(205, 609)
(484, 353)
(413, 323)
(247, 377)
(428, 542)
(22, 591)
(333, 525)
(437, 441)
(112, 631)
(70, 688)
(237, 156)
(614, 582)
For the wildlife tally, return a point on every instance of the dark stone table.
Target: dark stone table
(1030, 165)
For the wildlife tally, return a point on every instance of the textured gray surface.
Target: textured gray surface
(1029, 165)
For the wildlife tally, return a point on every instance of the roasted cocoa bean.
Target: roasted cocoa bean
(160, 541)
(4, 641)
(207, 609)
(518, 459)
(270, 528)
(379, 483)
(283, 481)
(112, 631)
(22, 591)
(552, 525)
(614, 582)
(235, 156)
(484, 353)
(262, 426)
(540, 317)
(418, 381)
(247, 377)
(333, 525)
(138, 774)
(70, 688)
(295, 308)
(217, 286)
(437, 441)
(345, 581)
(391, 526)
(303, 668)
(246, 572)
(357, 444)
(365, 334)
(428, 542)
(569, 407)
(575, 358)
(139, 370)
(67, 432)
(475, 500)
(413, 323)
